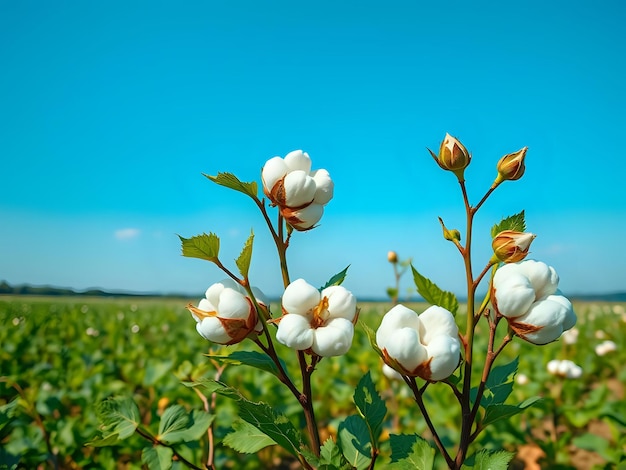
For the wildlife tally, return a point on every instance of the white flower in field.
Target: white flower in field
(564, 368)
(391, 373)
(300, 193)
(522, 379)
(318, 322)
(425, 345)
(605, 347)
(599, 334)
(526, 294)
(570, 336)
(227, 315)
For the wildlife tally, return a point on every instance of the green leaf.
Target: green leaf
(156, 370)
(110, 440)
(179, 425)
(229, 180)
(370, 405)
(203, 246)
(118, 416)
(157, 458)
(433, 294)
(410, 451)
(213, 386)
(499, 383)
(337, 279)
(489, 460)
(515, 222)
(497, 412)
(243, 261)
(354, 439)
(371, 336)
(247, 439)
(594, 443)
(330, 456)
(273, 424)
(253, 359)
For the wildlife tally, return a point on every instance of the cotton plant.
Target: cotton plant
(428, 350)
(424, 351)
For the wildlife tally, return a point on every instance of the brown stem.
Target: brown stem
(307, 402)
(417, 394)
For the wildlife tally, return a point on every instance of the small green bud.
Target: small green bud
(451, 235)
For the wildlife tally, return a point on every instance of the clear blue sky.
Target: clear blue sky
(110, 112)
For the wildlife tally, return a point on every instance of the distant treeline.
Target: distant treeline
(6, 288)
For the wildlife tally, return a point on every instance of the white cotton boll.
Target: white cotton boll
(294, 331)
(605, 347)
(324, 187)
(300, 297)
(334, 339)
(298, 160)
(273, 171)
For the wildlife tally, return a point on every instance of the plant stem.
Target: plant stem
(417, 394)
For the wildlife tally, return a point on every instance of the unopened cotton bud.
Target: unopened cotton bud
(392, 257)
(511, 246)
(453, 156)
(511, 167)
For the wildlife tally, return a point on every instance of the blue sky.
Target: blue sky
(110, 112)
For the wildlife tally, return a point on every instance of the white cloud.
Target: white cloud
(127, 233)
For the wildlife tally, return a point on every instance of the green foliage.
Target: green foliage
(331, 457)
(336, 280)
(354, 440)
(157, 458)
(119, 417)
(179, 425)
(243, 261)
(371, 407)
(410, 452)
(247, 438)
(203, 246)
(231, 181)
(433, 294)
(253, 359)
(489, 460)
(515, 222)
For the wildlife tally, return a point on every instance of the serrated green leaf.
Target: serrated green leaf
(118, 416)
(210, 386)
(433, 294)
(157, 458)
(410, 452)
(273, 424)
(253, 359)
(229, 180)
(243, 261)
(497, 412)
(179, 425)
(370, 405)
(247, 439)
(175, 419)
(330, 456)
(110, 440)
(205, 246)
(515, 222)
(354, 439)
(499, 383)
(337, 279)
(489, 460)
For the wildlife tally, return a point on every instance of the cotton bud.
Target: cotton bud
(392, 257)
(320, 323)
(299, 193)
(511, 167)
(453, 156)
(227, 315)
(510, 246)
(425, 345)
(605, 347)
(564, 368)
(526, 295)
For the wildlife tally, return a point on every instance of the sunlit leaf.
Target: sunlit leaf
(253, 359)
(205, 246)
(354, 439)
(410, 452)
(337, 279)
(231, 181)
(515, 222)
(118, 415)
(247, 439)
(489, 460)
(243, 261)
(497, 412)
(331, 457)
(433, 294)
(157, 458)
